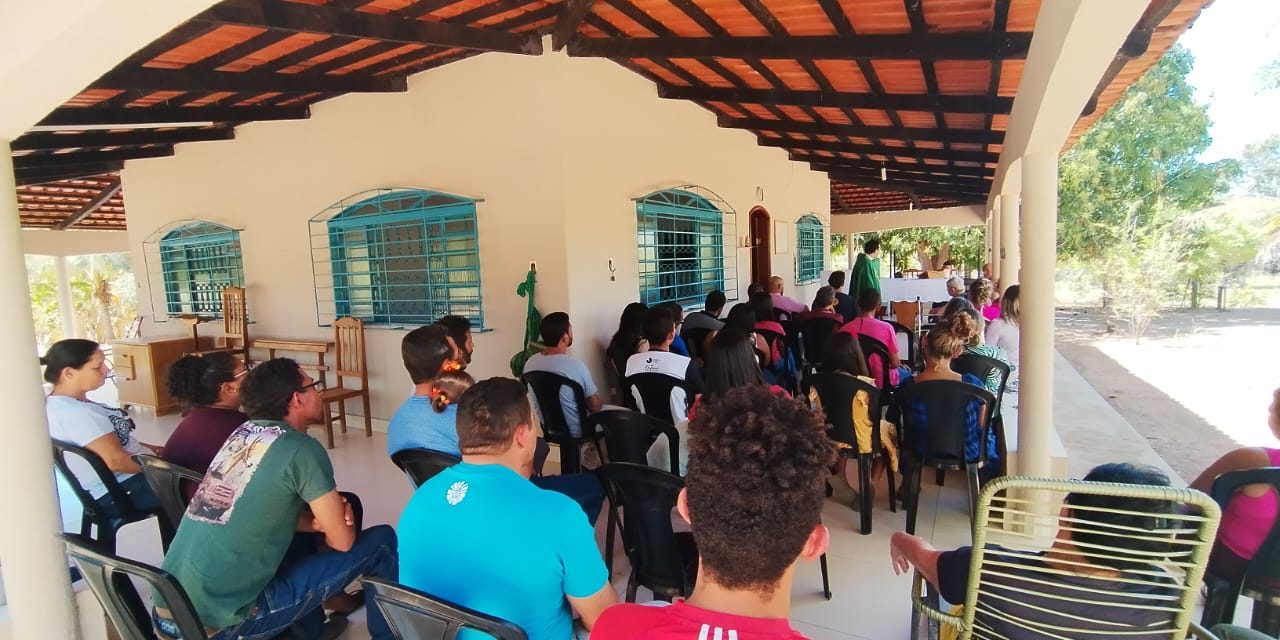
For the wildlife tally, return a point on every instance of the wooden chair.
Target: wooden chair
(907, 313)
(349, 362)
(235, 325)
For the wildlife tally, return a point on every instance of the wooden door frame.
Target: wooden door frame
(761, 247)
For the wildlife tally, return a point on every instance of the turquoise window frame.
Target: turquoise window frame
(680, 239)
(406, 257)
(198, 260)
(810, 250)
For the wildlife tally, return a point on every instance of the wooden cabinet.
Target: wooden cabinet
(142, 369)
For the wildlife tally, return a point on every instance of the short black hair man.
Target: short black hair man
(460, 330)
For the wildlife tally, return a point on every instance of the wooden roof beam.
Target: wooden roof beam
(842, 147)
(54, 173)
(193, 78)
(72, 117)
(906, 46)
(54, 160)
(897, 101)
(974, 136)
(575, 11)
(106, 194)
(45, 141)
(954, 191)
(304, 18)
(892, 168)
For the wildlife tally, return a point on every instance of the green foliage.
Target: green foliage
(1216, 247)
(1142, 282)
(965, 246)
(104, 296)
(1261, 167)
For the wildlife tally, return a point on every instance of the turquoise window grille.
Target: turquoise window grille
(197, 260)
(680, 238)
(810, 256)
(398, 258)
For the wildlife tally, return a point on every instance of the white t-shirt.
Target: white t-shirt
(80, 422)
(1004, 335)
(572, 369)
(666, 363)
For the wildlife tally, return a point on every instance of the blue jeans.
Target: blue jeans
(300, 588)
(584, 488)
(140, 494)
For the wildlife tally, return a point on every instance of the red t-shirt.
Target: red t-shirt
(681, 621)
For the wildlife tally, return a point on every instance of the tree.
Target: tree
(1261, 167)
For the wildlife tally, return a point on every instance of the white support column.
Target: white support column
(997, 220)
(1010, 226)
(66, 305)
(1039, 244)
(32, 558)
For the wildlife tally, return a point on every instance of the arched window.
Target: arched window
(196, 259)
(810, 256)
(399, 257)
(680, 237)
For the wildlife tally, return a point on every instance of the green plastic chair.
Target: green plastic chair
(1007, 598)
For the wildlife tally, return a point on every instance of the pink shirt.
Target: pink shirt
(785, 304)
(991, 312)
(680, 621)
(1248, 520)
(882, 331)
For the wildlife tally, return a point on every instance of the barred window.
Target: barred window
(680, 237)
(810, 256)
(399, 258)
(197, 260)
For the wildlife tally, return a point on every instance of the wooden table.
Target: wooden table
(318, 347)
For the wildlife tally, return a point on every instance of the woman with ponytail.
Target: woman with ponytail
(209, 386)
(448, 387)
(75, 367)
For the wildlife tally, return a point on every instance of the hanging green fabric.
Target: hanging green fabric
(532, 326)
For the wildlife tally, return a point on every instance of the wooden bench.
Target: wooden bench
(318, 347)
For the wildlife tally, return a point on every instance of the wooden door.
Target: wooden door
(761, 247)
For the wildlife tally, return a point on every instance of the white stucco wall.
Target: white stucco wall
(73, 242)
(556, 148)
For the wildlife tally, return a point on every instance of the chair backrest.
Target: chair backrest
(907, 332)
(907, 312)
(941, 439)
(874, 348)
(694, 339)
(1012, 593)
(169, 482)
(655, 393)
(235, 316)
(836, 392)
(627, 435)
(414, 615)
(815, 332)
(110, 577)
(62, 454)
(348, 345)
(982, 366)
(1263, 574)
(422, 464)
(546, 388)
(648, 495)
(779, 347)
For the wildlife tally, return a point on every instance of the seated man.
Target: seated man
(659, 330)
(955, 289)
(789, 306)
(460, 332)
(845, 304)
(426, 352)
(268, 481)
(868, 325)
(479, 534)
(753, 498)
(709, 316)
(557, 335)
(1099, 574)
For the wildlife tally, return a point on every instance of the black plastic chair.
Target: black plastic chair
(783, 368)
(661, 559)
(167, 481)
(943, 435)
(982, 366)
(546, 388)
(414, 615)
(1261, 581)
(694, 339)
(655, 393)
(94, 515)
(913, 351)
(814, 334)
(110, 577)
(421, 465)
(836, 393)
(872, 347)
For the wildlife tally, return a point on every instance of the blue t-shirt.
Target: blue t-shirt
(416, 424)
(467, 536)
(572, 369)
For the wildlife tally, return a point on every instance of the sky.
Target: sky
(1231, 41)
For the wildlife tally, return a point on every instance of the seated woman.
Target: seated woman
(1003, 332)
(209, 386)
(743, 318)
(626, 341)
(943, 343)
(75, 367)
(977, 346)
(843, 356)
(868, 325)
(981, 293)
(824, 306)
(1251, 512)
(781, 365)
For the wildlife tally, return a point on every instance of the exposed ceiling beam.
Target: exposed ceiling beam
(892, 169)
(306, 18)
(96, 116)
(575, 11)
(941, 190)
(106, 194)
(907, 46)
(54, 173)
(843, 147)
(53, 160)
(1135, 46)
(44, 141)
(895, 101)
(974, 136)
(197, 79)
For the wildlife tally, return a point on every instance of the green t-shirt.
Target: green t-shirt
(866, 275)
(243, 517)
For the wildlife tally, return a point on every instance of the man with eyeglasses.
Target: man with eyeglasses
(233, 553)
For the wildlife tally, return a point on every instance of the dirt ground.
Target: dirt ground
(1198, 385)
